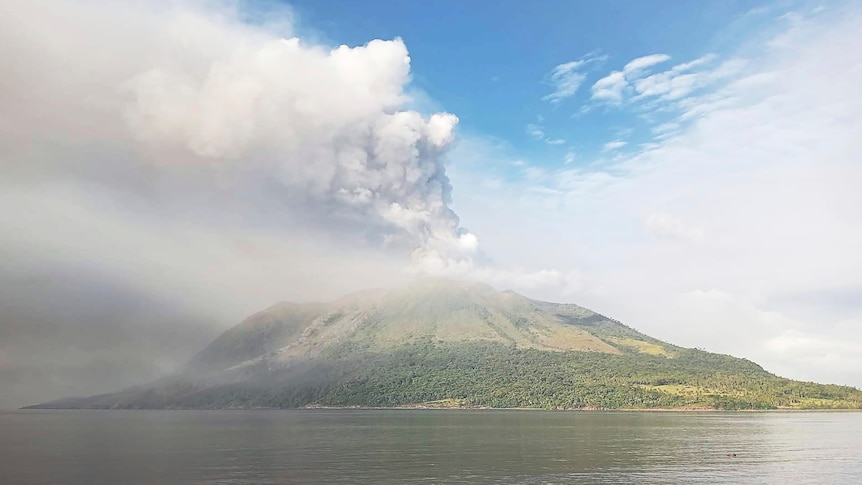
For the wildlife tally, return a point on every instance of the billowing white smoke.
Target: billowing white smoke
(194, 110)
(326, 124)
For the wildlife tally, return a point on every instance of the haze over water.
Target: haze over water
(413, 446)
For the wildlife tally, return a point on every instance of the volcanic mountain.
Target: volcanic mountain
(440, 343)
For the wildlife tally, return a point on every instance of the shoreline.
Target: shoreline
(421, 407)
(584, 409)
(445, 405)
(450, 404)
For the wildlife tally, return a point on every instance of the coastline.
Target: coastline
(584, 409)
(425, 407)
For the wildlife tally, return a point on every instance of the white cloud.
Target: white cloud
(538, 133)
(614, 145)
(535, 131)
(677, 90)
(534, 173)
(566, 78)
(610, 87)
(677, 83)
(665, 128)
(633, 67)
(667, 84)
(667, 226)
(700, 61)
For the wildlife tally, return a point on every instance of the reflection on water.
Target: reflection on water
(437, 446)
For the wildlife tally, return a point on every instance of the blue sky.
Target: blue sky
(492, 63)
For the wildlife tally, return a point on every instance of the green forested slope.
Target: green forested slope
(453, 344)
(493, 375)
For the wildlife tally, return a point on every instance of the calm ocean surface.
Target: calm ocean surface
(427, 446)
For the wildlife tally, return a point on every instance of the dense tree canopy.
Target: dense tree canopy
(494, 375)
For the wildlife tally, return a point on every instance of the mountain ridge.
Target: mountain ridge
(465, 344)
